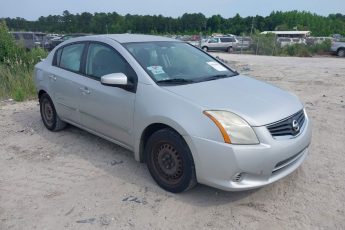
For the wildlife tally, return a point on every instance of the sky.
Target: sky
(33, 9)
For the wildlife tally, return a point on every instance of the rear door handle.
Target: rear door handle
(85, 90)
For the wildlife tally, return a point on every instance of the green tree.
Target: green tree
(187, 24)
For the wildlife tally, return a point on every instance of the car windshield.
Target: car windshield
(177, 62)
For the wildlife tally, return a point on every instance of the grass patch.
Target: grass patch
(267, 45)
(17, 68)
(16, 82)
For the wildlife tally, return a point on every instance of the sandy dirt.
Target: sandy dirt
(75, 180)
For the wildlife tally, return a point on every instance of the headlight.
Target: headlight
(234, 129)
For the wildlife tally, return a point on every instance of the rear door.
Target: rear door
(225, 43)
(65, 77)
(228, 42)
(104, 109)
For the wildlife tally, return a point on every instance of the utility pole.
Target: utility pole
(242, 42)
(251, 30)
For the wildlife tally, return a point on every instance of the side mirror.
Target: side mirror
(114, 79)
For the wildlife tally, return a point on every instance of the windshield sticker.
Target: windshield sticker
(156, 70)
(217, 66)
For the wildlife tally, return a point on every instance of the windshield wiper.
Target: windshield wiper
(219, 76)
(176, 81)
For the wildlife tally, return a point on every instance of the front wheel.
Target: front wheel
(341, 53)
(230, 49)
(170, 161)
(49, 116)
(205, 49)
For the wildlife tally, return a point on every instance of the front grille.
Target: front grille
(290, 126)
(287, 162)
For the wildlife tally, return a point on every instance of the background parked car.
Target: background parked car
(337, 37)
(338, 48)
(54, 36)
(227, 44)
(56, 41)
(27, 39)
(43, 39)
(283, 41)
(318, 40)
(243, 42)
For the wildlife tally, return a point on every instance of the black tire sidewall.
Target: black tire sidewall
(180, 145)
(44, 98)
(339, 53)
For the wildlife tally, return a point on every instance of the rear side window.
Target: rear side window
(225, 40)
(70, 57)
(57, 57)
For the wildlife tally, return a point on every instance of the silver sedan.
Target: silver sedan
(189, 116)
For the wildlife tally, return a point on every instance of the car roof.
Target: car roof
(128, 38)
(223, 37)
(21, 32)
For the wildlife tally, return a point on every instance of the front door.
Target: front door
(214, 44)
(104, 109)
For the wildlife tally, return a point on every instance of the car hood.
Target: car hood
(257, 102)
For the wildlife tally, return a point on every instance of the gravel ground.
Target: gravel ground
(75, 180)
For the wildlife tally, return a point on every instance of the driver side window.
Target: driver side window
(102, 60)
(213, 40)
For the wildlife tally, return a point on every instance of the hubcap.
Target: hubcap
(168, 163)
(48, 113)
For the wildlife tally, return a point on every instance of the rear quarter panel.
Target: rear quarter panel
(41, 80)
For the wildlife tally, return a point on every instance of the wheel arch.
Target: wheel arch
(148, 131)
(40, 93)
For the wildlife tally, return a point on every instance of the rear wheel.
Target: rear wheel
(341, 52)
(170, 161)
(49, 116)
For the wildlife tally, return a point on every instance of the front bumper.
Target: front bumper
(243, 167)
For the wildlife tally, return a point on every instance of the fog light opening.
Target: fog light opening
(238, 177)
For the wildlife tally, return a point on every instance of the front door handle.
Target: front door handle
(84, 90)
(52, 77)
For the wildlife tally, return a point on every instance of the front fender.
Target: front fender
(171, 110)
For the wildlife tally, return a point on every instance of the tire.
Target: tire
(49, 116)
(341, 53)
(170, 161)
(230, 50)
(205, 49)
